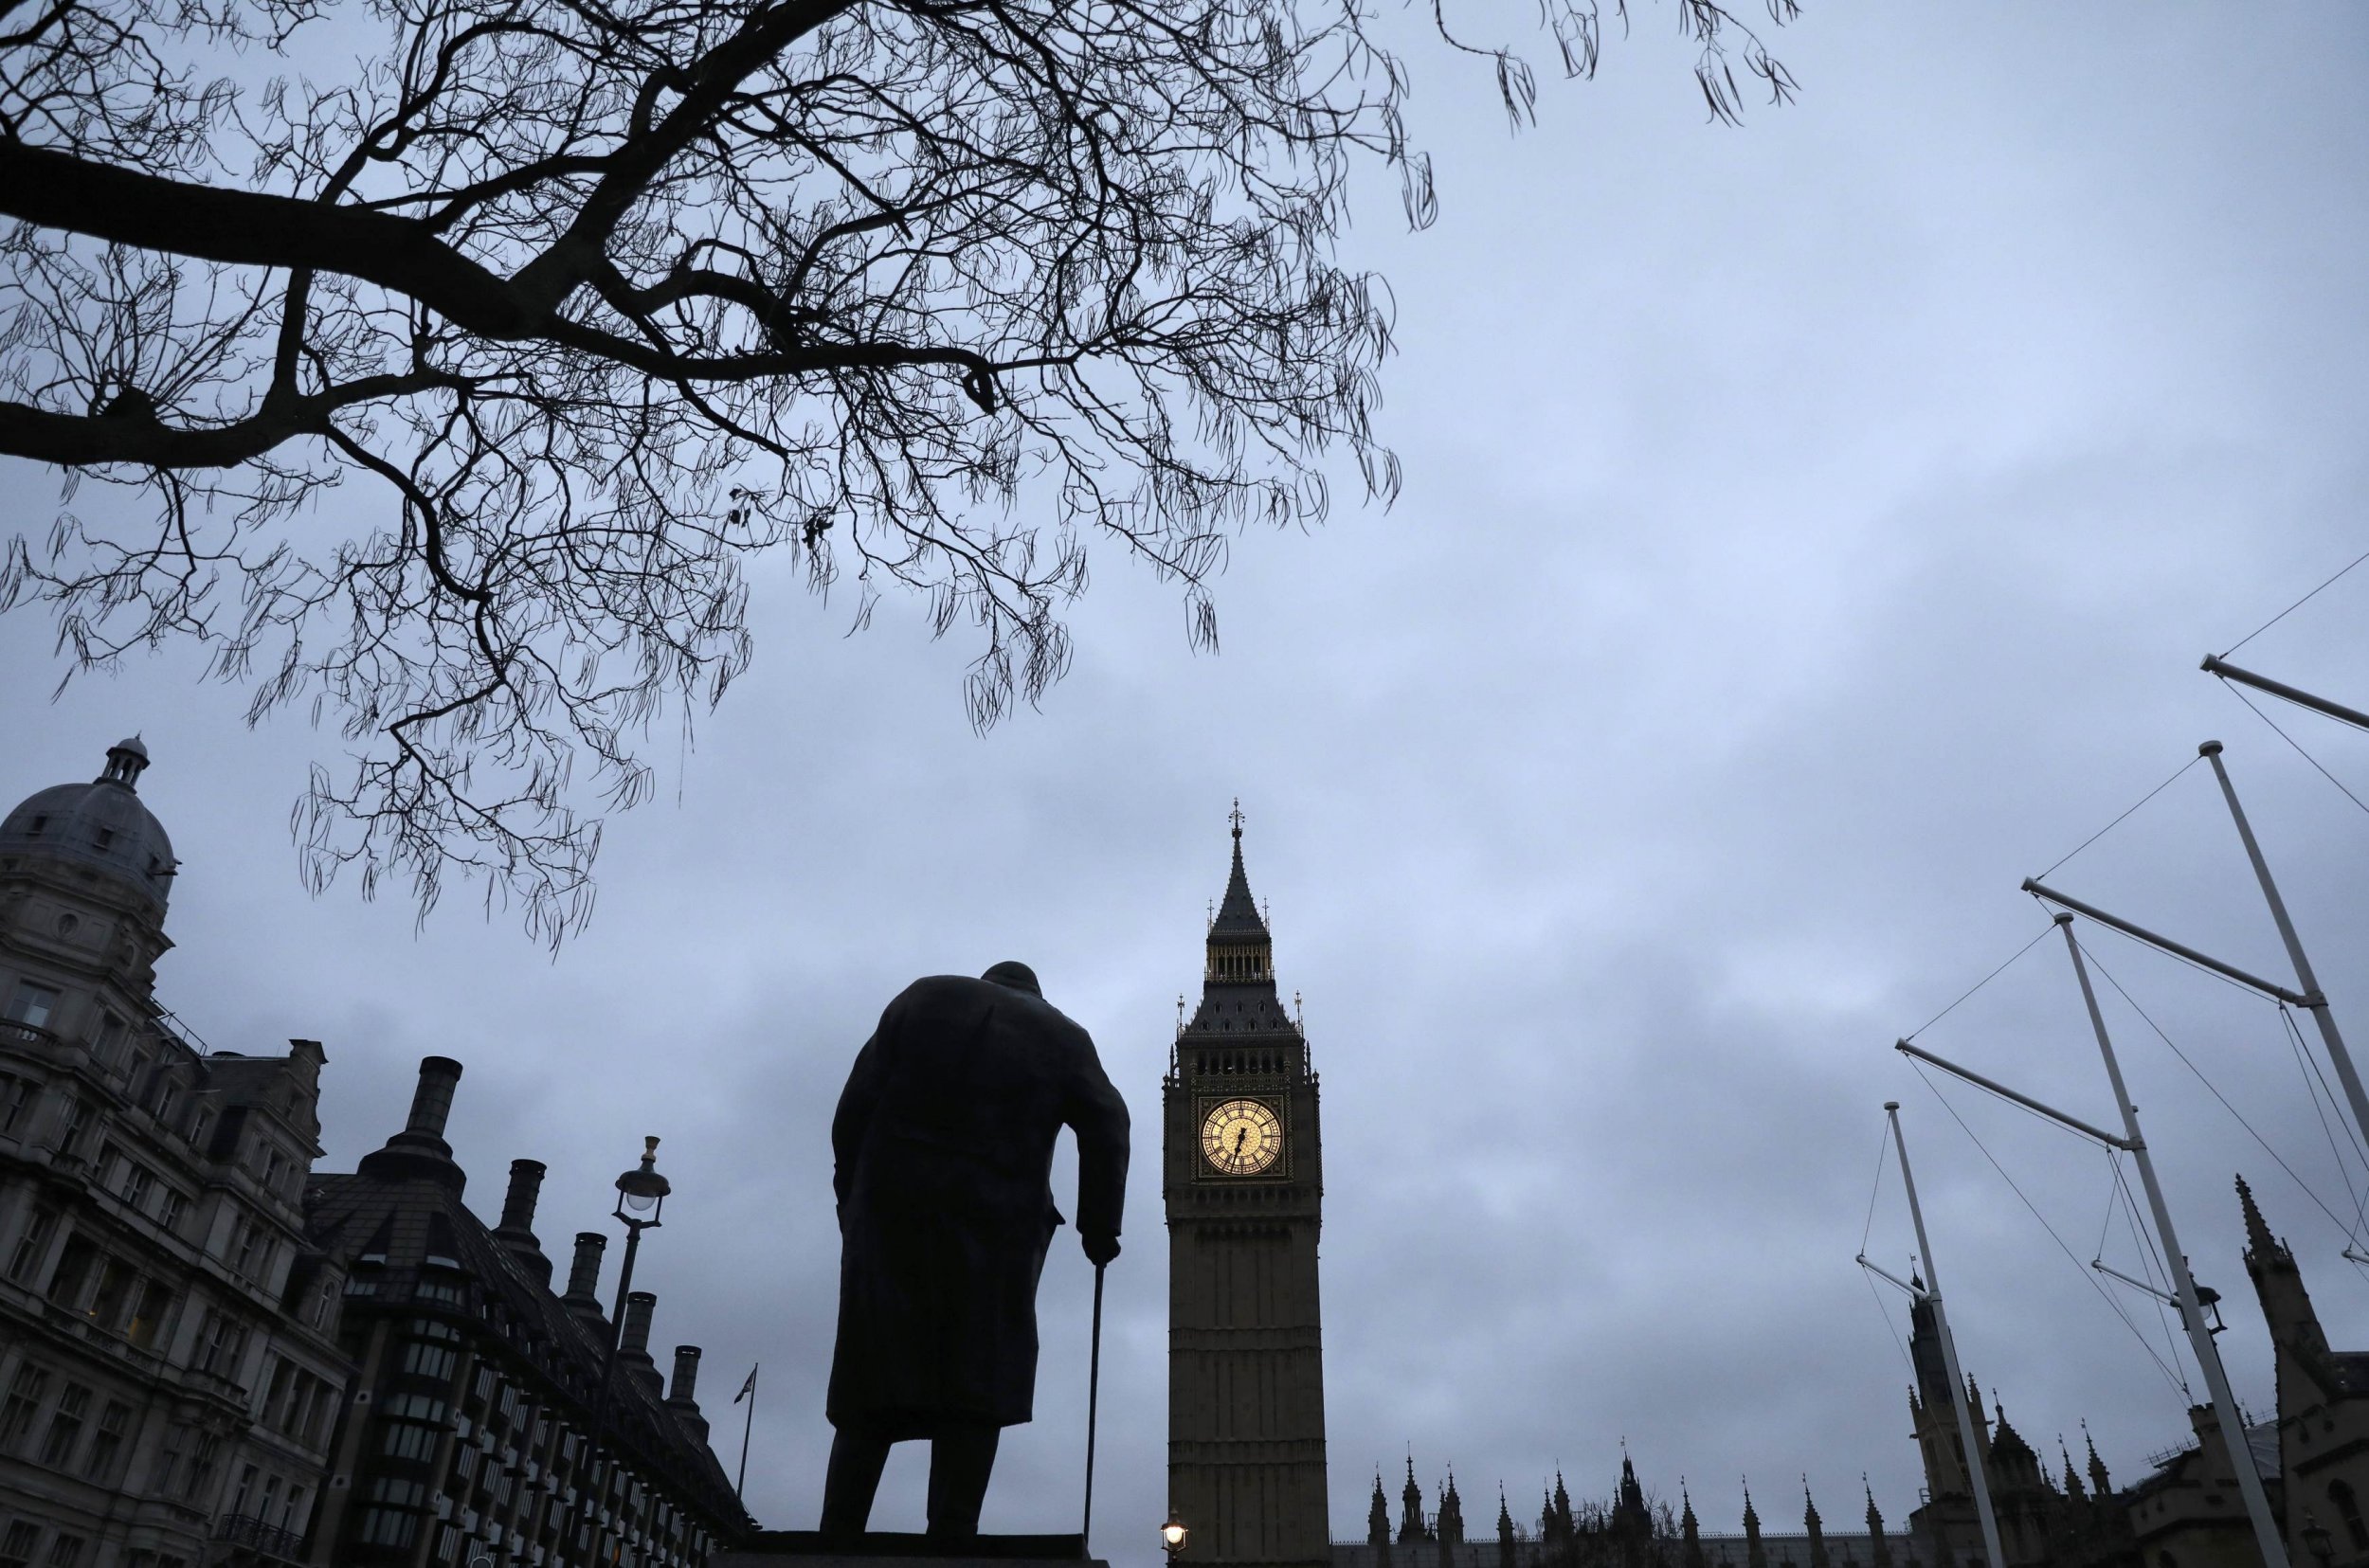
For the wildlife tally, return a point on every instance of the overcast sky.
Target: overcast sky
(1810, 530)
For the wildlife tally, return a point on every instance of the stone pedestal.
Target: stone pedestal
(808, 1549)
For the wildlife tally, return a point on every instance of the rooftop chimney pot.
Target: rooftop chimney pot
(684, 1389)
(583, 1275)
(526, 1185)
(432, 1101)
(638, 1305)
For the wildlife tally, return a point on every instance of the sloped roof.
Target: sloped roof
(410, 1220)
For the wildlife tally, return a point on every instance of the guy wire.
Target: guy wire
(2178, 1383)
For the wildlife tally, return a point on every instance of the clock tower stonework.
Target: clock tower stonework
(1243, 1171)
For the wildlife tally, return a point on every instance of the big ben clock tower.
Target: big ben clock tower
(1242, 1168)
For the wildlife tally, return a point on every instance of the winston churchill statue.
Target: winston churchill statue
(944, 1148)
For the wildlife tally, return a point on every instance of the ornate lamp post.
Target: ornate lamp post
(640, 1197)
(1172, 1537)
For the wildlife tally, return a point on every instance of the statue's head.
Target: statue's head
(1018, 976)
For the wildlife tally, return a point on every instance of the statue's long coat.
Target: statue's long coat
(944, 1142)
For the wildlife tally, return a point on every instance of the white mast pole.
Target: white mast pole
(2199, 1338)
(1932, 1295)
(2315, 1000)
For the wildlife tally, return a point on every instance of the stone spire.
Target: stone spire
(2014, 1463)
(1377, 1517)
(2072, 1478)
(1879, 1547)
(1690, 1533)
(1755, 1555)
(1238, 993)
(1814, 1526)
(1451, 1520)
(2294, 1324)
(1411, 1498)
(1562, 1507)
(1238, 913)
(1505, 1530)
(1630, 1517)
(2100, 1486)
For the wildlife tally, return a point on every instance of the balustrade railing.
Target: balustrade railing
(270, 1540)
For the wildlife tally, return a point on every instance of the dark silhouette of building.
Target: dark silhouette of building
(1244, 1176)
(476, 1427)
(169, 1372)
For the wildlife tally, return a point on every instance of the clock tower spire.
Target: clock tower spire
(1244, 1177)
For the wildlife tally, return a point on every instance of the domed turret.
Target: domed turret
(101, 825)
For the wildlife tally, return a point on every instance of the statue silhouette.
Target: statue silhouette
(944, 1146)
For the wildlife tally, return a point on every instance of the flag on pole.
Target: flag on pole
(748, 1388)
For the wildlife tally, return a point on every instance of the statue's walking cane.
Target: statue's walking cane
(1094, 1393)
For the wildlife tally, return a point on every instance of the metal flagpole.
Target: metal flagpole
(1932, 1295)
(2315, 1001)
(2191, 1312)
(748, 1391)
(1094, 1395)
(2353, 716)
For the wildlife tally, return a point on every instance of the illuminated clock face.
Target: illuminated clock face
(1241, 1138)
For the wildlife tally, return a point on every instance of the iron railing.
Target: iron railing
(270, 1540)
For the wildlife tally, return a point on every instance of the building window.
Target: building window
(409, 1440)
(31, 1246)
(69, 1129)
(169, 1212)
(246, 1489)
(65, 1552)
(389, 1527)
(201, 1462)
(16, 1547)
(15, 1095)
(168, 1458)
(16, 1412)
(114, 1284)
(2348, 1509)
(138, 1181)
(406, 1494)
(66, 1427)
(292, 1511)
(74, 1266)
(32, 1004)
(243, 1245)
(149, 1316)
(429, 1360)
(220, 1345)
(107, 1442)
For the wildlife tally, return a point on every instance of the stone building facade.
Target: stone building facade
(479, 1430)
(212, 1356)
(169, 1368)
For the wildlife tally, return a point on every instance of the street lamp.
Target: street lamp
(1172, 1537)
(640, 1198)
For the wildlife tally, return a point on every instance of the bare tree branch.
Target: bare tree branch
(594, 300)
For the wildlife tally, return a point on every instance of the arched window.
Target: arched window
(2348, 1509)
